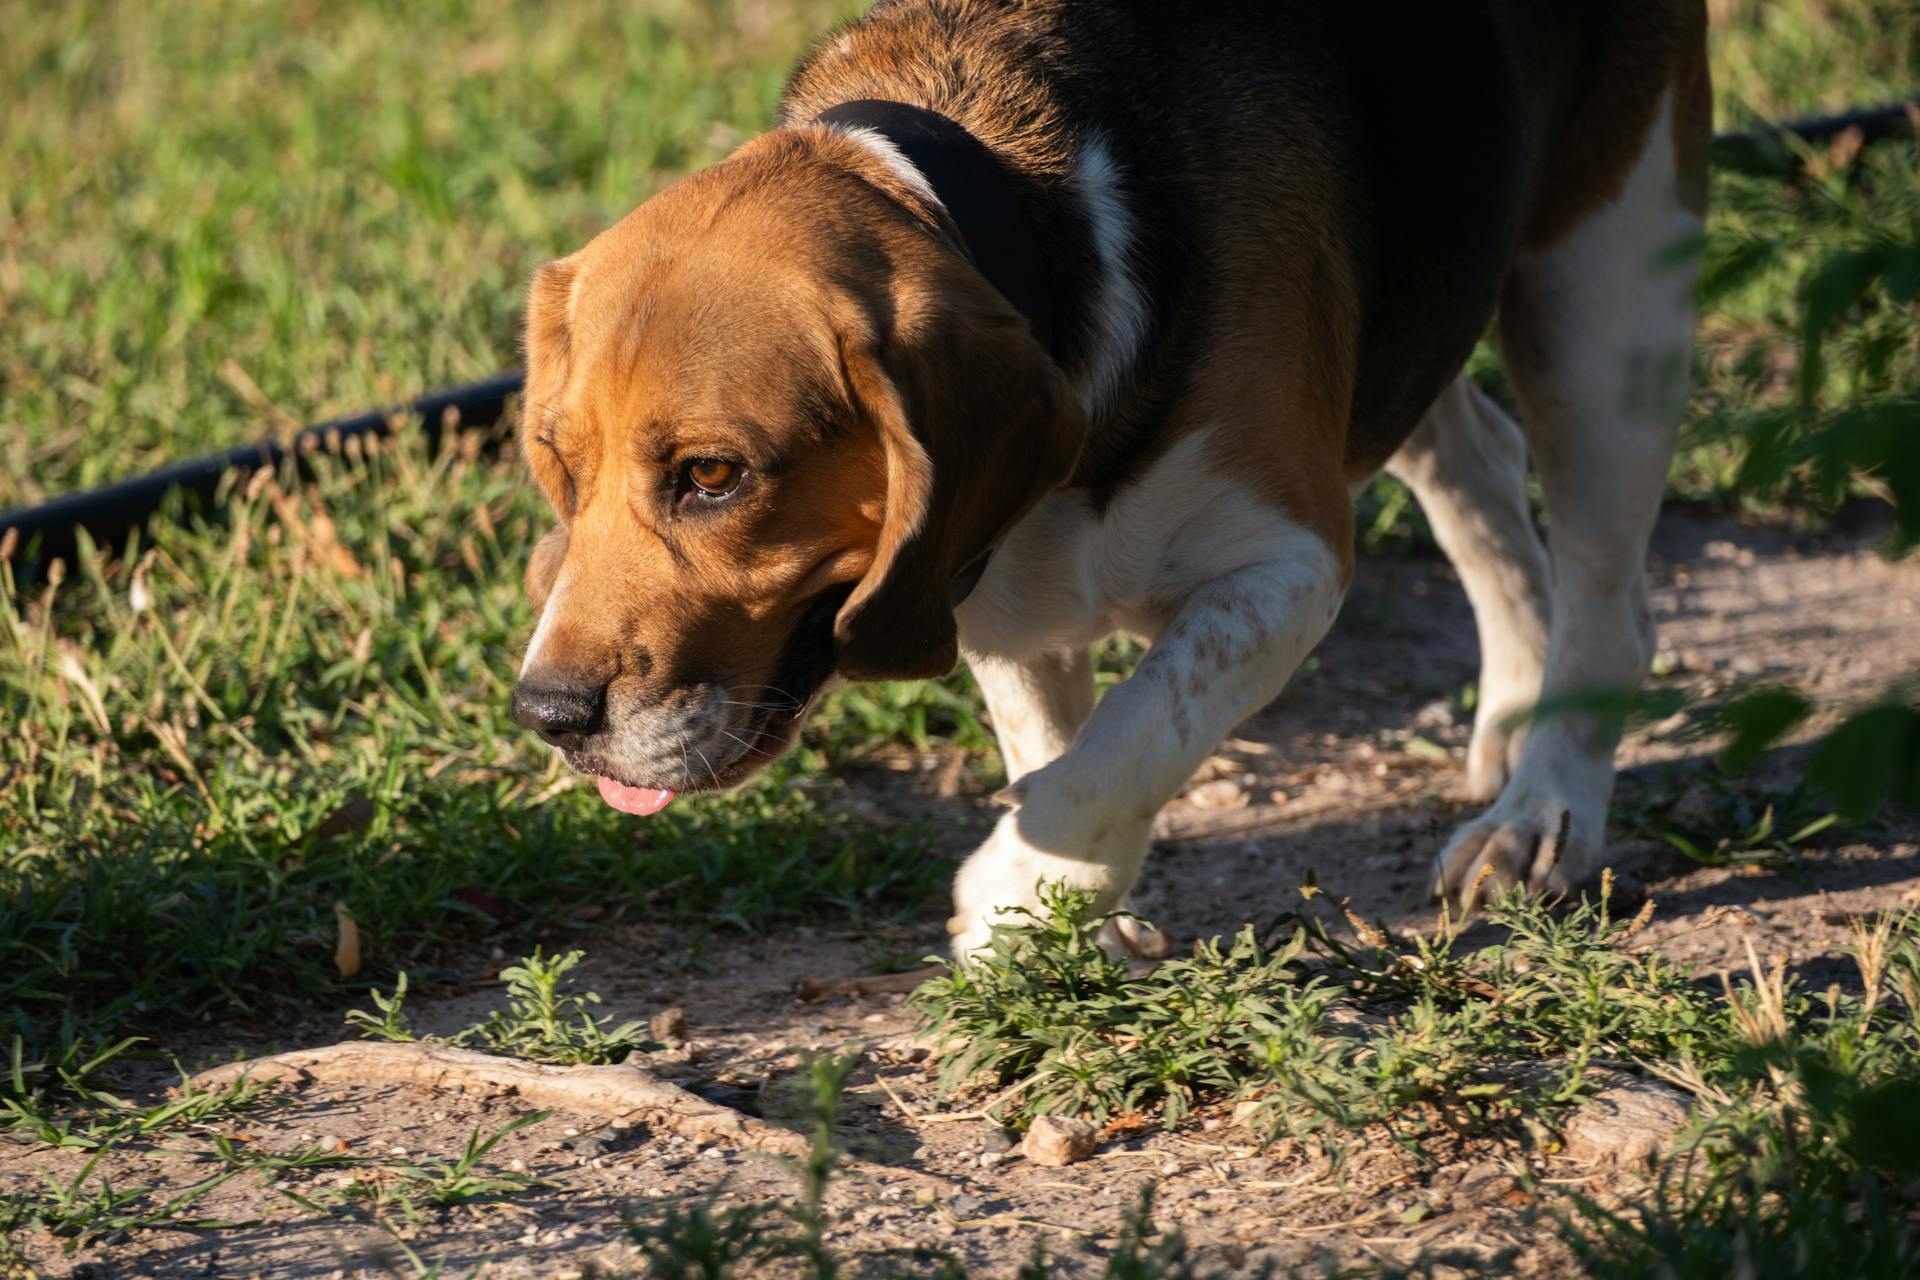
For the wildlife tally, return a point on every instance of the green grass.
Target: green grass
(221, 218)
(214, 227)
(1321, 1024)
(1326, 1034)
(287, 719)
(223, 745)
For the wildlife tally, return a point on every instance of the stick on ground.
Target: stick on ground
(616, 1092)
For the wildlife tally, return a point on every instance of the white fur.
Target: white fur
(548, 613)
(1119, 309)
(897, 163)
(1597, 329)
(1234, 595)
(1467, 464)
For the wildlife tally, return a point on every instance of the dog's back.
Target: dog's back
(1379, 164)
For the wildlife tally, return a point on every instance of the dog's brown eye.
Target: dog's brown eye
(714, 477)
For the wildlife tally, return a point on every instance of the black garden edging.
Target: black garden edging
(108, 514)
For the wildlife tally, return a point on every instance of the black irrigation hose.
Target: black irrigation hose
(36, 536)
(1765, 151)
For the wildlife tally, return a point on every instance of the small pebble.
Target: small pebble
(964, 1204)
(988, 1159)
(1057, 1141)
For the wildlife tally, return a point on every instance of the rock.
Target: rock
(1696, 807)
(1059, 1140)
(1221, 793)
(907, 1047)
(669, 1026)
(1630, 1122)
(1483, 1184)
(596, 1144)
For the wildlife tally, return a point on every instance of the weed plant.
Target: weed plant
(546, 1019)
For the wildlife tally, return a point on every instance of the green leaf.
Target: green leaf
(1883, 1127)
(1871, 757)
(1756, 722)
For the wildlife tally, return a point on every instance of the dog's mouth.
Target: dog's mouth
(771, 734)
(804, 669)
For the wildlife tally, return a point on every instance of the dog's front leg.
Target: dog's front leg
(1086, 818)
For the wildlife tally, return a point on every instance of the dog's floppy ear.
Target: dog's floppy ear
(548, 333)
(977, 423)
(546, 340)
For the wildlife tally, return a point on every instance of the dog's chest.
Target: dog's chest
(1066, 575)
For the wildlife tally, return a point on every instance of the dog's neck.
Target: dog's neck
(978, 195)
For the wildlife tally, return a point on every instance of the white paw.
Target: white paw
(1043, 842)
(1549, 842)
(1126, 936)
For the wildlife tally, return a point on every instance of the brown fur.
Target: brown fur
(799, 309)
(891, 411)
(1633, 51)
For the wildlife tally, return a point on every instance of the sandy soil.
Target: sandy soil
(1323, 780)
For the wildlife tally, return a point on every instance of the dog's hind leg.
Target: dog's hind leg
(1596, 329)
(1467, 464)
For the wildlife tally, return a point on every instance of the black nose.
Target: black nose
(562, 714)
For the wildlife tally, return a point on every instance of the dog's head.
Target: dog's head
(776, 412)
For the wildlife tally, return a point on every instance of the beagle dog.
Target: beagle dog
(1034, 320)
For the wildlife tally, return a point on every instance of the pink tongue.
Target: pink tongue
(640, 801)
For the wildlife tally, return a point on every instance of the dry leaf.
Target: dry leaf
(355, 814)
(346, 951)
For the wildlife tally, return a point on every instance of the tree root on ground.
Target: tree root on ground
(616, 1092)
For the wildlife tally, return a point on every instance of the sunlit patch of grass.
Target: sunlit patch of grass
(221, 219)
(299, 712)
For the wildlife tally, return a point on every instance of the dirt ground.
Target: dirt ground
(1322, 781)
